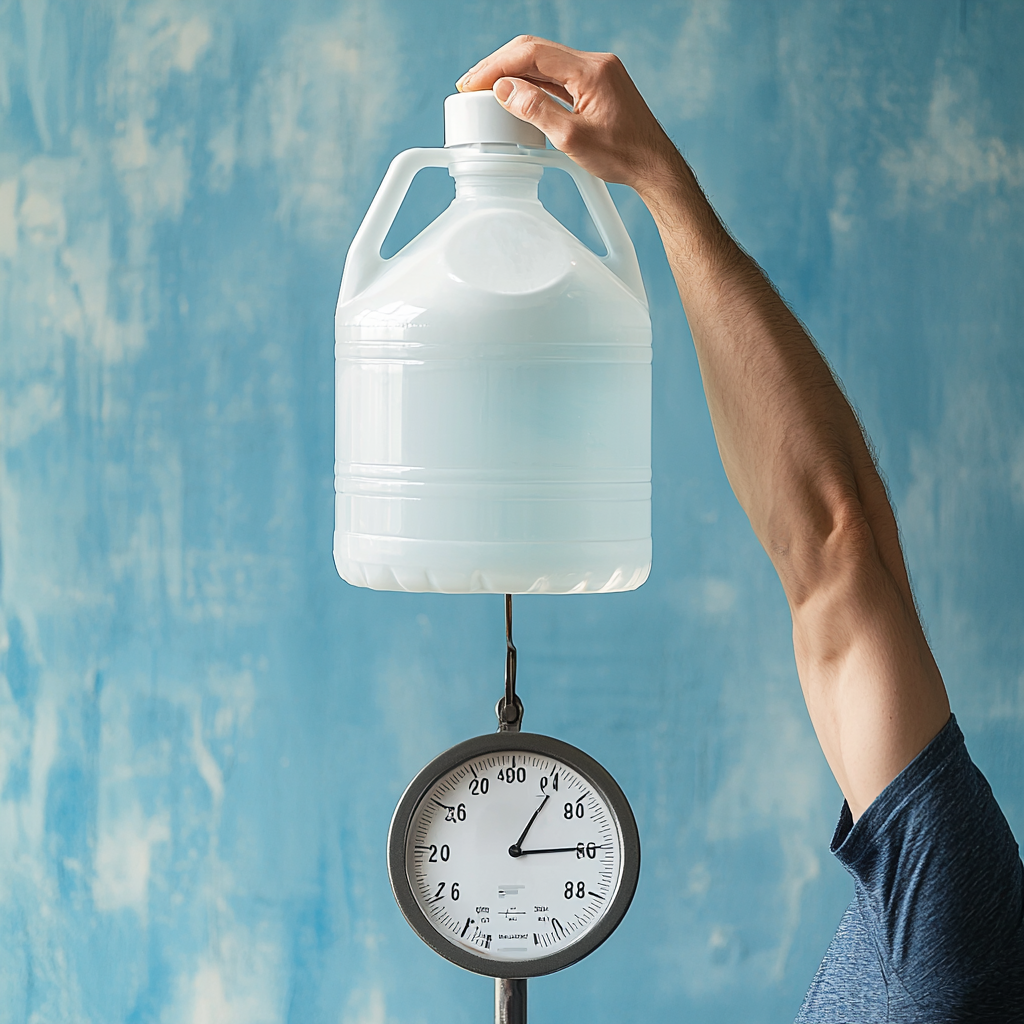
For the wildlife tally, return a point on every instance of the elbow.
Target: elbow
(828, 551)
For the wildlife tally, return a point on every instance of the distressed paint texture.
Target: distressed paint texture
(203, 731)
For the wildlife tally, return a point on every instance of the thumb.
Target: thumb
(531, 103)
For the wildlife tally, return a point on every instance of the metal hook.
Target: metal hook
(510, 707)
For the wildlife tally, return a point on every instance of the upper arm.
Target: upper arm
(873, 690)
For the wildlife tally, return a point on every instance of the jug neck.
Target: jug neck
(486, 174)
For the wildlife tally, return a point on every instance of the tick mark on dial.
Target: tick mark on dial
(449, 812)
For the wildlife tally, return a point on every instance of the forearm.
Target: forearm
(790, 443)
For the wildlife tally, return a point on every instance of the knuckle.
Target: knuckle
(531, 103)
(570, 135)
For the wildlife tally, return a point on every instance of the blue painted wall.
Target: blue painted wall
(203, 731)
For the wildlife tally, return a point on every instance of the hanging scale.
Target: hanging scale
(513, 854)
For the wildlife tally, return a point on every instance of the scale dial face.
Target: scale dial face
(514, 854)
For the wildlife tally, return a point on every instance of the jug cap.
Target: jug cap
(478, 117)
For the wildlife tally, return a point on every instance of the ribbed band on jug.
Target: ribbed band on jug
(510, 179)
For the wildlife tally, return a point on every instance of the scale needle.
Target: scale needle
(515, 850)
(555, 849)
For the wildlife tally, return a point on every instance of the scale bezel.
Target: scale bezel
(533, 743)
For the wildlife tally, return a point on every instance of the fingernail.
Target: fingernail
(503, 89)
(463, 80)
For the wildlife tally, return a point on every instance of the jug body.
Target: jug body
(493, 389)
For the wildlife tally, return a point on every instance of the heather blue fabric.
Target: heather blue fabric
(934, 933)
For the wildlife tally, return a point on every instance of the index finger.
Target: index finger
(555, 68)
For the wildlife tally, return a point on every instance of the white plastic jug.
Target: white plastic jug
(493, 388)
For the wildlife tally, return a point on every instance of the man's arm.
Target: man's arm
(790, 443)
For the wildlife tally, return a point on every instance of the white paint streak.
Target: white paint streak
(33, 13)
(773, 787)
(366, 1006)
(698, 879)
(842, 215)
(223, 149)
(15, 743)
(952, 157)
(232, 586)
(122, 861)
(320, 115)
(8, 220)
(400, 684)
(774, 778)
(718, 596)
(972, 462)
(153, 41)
(205, 763)
(1017, 472)
(210, 1005)
(5, 84)
(87, 261)
(236, 692)
(63, 272)
(155, 44)
(240, 980)
(154, 175)
(42, 219)
(45, 735)
(713, 596)
(29, 412)
(678, 73)
(800, 851)
(191, 40)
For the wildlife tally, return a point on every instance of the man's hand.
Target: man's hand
(610, 130)
(790, 443)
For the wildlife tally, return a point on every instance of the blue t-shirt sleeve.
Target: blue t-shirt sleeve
(940, 886)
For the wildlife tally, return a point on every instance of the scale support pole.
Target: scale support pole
(509, 1001)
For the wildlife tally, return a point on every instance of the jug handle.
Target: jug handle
(620, 257)
(364, 261)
